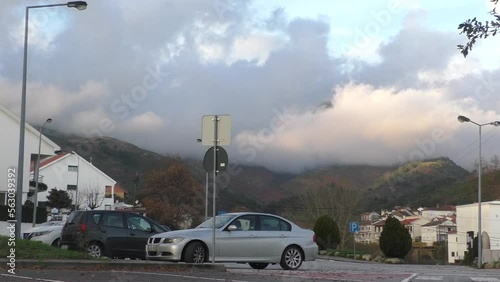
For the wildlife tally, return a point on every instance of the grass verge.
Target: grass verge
(26, 249)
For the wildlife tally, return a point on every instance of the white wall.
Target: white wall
(467, 220)
(430, 214)
(56, 175)
(455, 248)
(9, 149)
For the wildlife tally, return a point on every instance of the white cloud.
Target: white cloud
(147, 122)
(254, 47)
(366, 125)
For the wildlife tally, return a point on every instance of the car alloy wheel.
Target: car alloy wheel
(195, 253)
(291, 258)
(95, 250)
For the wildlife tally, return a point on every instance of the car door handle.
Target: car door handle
(282, 235)
(103, 231)
(252, 236)
(132, 234)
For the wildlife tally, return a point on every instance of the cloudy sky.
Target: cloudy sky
(306, 83)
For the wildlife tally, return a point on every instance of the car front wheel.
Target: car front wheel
(291, 258)
(95, 249)
(195, 253)
(55, 243)
(258, 265)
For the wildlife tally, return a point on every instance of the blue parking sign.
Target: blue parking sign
(354, 226)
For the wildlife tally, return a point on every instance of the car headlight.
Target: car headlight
(172, 240)
(41, 233)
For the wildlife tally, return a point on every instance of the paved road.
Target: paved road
(320, 270)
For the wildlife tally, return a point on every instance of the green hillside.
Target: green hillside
(424, 183)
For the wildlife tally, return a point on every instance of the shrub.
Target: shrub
(327, 233)
(395, 240)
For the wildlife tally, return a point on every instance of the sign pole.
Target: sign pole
(206, 196)
(216, 120)
(354, 240)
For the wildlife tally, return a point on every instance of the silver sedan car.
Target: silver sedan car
(254, 238)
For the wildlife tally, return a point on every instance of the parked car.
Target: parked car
(48, 233)
(254, 238)
(119, 234)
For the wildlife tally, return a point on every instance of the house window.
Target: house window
(452, 254)
(73, 168)
(3, 196)
(71, 187)
(108, 192)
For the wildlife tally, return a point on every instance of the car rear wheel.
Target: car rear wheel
(258, 265)
(291, 258)
(95, 249)
(195, 253)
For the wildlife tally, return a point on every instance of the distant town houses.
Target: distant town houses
(446, 224)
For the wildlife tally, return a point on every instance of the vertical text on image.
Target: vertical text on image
(11, 214)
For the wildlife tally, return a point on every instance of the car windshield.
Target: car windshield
(220, 221)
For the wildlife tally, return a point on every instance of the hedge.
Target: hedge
(27, 214)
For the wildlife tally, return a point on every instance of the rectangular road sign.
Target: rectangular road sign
(354, 226)
(223, 130)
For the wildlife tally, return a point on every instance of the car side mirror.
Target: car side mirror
(232, 227)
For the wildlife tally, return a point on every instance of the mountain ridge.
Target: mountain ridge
(423, 183)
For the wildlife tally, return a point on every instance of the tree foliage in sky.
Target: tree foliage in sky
(475, 30)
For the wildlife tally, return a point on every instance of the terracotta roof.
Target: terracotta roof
(408, 221)
(48, 160)
(118, 189)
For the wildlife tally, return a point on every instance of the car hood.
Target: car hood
(195, 232)
(43, 228)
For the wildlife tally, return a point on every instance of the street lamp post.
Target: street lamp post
(36, 173)
(80, 5)
(479, 231)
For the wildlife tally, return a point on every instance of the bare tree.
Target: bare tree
(339, 201)
(495, 163)
(76, 201)
(93, 195)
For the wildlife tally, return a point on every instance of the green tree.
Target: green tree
(395, 240)
(327, 233)
(474, 30)
(58, 199)
(440, 251)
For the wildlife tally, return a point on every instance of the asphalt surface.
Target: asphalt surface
(136, 265)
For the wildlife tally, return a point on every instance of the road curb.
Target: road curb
(111, 265)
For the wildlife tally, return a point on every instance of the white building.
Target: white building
(72, 173)
(9, 123)
(437, 230)
(467, 220)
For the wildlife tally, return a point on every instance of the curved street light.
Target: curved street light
(80, 5)
(463, 119)
(36, 174)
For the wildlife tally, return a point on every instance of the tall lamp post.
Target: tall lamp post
(80, 5)
(36, 174)
(479, 231)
